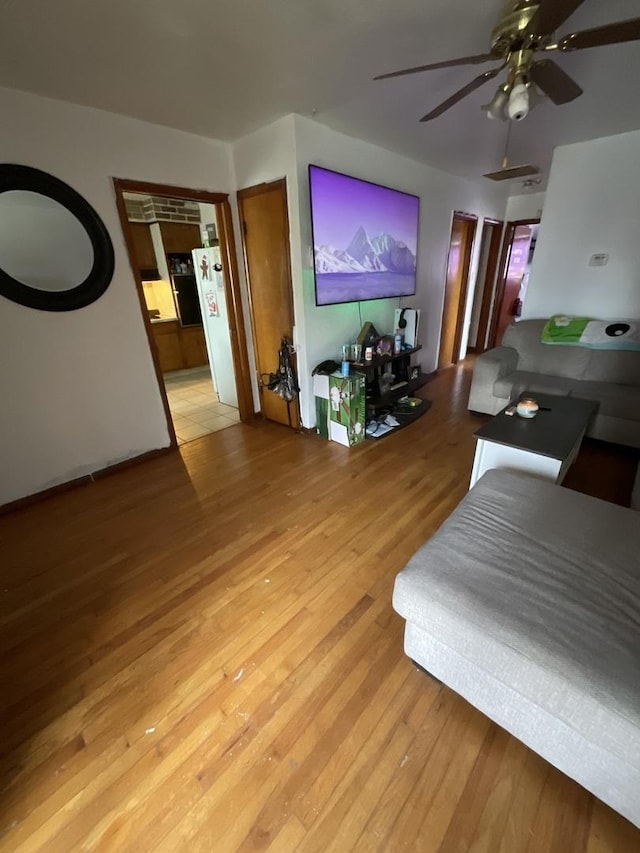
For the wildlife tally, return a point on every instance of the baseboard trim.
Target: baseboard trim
(36, 497)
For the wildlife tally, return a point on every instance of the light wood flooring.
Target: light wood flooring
(200, 654)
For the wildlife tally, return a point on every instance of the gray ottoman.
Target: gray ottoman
(526, 602)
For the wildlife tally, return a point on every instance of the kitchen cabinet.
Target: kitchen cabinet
(167, 337)
(178, 238)
(143, 246)
(194, 348)
(179, 347)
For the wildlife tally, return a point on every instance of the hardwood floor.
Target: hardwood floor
(200, 654)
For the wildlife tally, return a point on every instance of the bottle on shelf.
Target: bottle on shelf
(397, 343)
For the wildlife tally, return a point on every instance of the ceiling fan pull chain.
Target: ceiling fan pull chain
(505, 159)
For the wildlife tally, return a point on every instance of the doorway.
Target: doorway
(490, 241)
(463, 229)
(515, 265)
(180, 246)
(265, 238)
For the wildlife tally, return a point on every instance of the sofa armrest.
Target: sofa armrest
(489, 367)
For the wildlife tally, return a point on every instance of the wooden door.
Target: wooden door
(492, 232)
(265, 229)
(515, 259)
(463, 230)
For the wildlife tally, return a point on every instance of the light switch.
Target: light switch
(599, 260)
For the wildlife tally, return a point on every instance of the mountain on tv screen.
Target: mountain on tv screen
(365, 239)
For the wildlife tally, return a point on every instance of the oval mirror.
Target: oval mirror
(55, 253)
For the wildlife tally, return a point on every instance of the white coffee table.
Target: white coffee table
(546, 445)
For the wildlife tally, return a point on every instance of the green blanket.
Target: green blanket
(596, 334)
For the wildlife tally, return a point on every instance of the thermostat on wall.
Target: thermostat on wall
(599, 260)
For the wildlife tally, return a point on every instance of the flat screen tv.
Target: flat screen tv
(365, 239)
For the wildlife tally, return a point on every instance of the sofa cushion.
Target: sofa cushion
(552, 359)
(615, 401)
(619, 366)
(515, 383)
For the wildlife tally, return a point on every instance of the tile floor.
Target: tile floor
(194, 404)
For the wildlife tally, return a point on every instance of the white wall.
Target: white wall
(328, 327)
(284, 149)
(265, 155)
(592, 205)
(525, 206)
(158, 248)
(78, 389)
(483, 262)
(208, 216)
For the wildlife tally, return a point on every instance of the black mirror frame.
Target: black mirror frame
(15, 177)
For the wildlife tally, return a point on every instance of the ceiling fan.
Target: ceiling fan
(524, 30)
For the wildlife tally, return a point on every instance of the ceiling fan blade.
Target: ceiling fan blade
(554, 82)
(462, 93)
(449, 63)
(511, 172)
(550, 15)
(616, 33)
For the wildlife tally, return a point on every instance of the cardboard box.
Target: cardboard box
(347, 408)
(321, 385)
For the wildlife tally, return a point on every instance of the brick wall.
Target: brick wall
(156, 209)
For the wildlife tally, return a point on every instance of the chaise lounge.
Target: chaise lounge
(526, 602)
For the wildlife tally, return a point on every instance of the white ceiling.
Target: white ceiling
(222, 68)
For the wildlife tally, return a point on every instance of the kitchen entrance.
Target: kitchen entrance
(181, 262)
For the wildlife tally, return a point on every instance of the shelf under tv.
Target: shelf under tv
(405, 415)
(406, 389)
(391, 401)
(382, 360)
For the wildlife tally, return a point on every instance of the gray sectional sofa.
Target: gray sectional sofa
(526, 603)
(524, 363)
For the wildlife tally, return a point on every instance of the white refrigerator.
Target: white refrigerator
(207, 264)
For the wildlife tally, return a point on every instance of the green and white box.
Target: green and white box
(347, 408)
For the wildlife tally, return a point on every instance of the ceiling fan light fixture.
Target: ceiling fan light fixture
(496, 108)
(518, 106)
(526, 28)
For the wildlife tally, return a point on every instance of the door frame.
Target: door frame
(464, 288)
(231, 285)
(507, 245)
(491, 271)
(241, 195)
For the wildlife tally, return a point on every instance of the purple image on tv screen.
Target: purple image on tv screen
(365, 239)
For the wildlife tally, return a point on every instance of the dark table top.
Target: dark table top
(553, 432)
